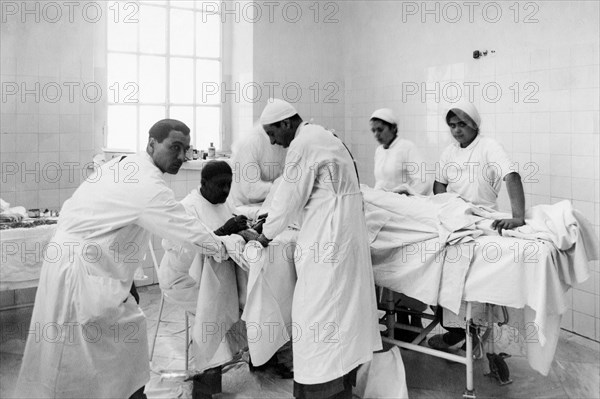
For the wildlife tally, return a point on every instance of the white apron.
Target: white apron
(334, 313)
(90, 338)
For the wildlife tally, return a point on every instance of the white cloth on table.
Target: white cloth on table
(256, 164)
(401, 167)
(103, 235)
(22, 252)
(414, 232)
(334, 307)
(476, 172)
(526, 273)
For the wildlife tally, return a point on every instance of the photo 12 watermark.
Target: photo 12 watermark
(453, 12)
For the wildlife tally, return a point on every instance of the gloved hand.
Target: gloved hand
(249, 234)
(258, 226)
(233, 225)
(264, 241)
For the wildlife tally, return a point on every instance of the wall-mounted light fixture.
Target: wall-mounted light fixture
(483, 53)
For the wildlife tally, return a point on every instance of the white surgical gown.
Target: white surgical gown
(89, 336)
(334, 313)
(401, 167)
(476, 172)
(256, 164)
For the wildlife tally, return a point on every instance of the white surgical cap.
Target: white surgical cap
(276, 110)
(465, 108)
(385, 114)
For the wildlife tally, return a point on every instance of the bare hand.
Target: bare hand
(264, 241)
(507, 224)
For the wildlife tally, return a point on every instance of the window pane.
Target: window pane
(182, 81)
(208, 127)
(122, 73)
(152, 29)
(122, 123)
(152, 79)
(208, 82)
(149, 115)
(122, 32)
(185, 115)
(182, 3)
(182, 32)
(208, 35)
(209, 6)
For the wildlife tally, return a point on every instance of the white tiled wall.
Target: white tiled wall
(47, 128)
(558, 135)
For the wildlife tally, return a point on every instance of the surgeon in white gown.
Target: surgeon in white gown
(334, 310)
(256, 165)
(90, 337)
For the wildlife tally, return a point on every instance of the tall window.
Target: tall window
(160, 53)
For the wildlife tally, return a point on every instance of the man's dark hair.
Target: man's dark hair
(161, 129)
(293, 118)
(215, 168)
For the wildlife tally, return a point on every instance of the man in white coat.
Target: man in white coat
(256, 165)
(334, 312)
(90, 338)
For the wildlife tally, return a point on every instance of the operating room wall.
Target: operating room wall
(47, 125)
(546, 116)
(298, 56)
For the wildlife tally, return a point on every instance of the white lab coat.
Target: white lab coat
(476, 172)
(216, 297)
(401, 167)
(90, 338)
(256, 164)
(334, 312)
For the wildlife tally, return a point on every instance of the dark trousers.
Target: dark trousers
(139, 394)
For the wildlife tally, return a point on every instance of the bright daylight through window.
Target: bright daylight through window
(159, 55)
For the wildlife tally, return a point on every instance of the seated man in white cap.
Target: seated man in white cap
(334, 308)
(217, 291)
(399, 166)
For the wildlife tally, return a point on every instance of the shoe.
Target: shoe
(404, 335)
(440, 342)
(278, 368)
(283, 371)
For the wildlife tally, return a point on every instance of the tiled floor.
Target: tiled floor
(575, 372)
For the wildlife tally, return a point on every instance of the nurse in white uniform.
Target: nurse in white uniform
(334, 309)
(474, 167)
(91, 339)
(399, 166)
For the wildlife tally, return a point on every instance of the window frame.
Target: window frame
(167, 104)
